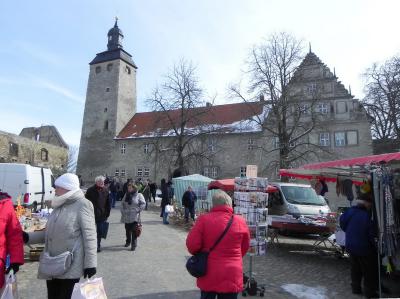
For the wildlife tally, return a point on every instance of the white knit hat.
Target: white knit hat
(68, 181)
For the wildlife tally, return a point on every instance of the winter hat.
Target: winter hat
(68, 181)
(220, 198)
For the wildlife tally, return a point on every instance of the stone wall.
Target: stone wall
(29, 151)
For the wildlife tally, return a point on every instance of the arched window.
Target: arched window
(109, 67)
(44, 154)
(106, 125)
(98, 69)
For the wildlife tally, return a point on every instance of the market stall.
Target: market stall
(199, 184)
(373, 177)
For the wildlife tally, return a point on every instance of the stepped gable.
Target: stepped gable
(223, 118)
(312, 60)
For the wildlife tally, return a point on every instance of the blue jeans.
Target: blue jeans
(165, 217)
(113, 198)
(189, 211)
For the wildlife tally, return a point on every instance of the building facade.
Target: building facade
(118, 141)
(41, 146)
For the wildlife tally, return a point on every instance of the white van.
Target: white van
(296, 200)
(33, 185)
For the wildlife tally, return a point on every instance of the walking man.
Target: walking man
(99, 196)
(189, 199)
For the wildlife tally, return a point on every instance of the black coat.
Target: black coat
(165, 196)
(101, 204)
(188, 199)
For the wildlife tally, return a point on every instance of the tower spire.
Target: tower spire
(349, 89)
(115, 37)
(334, 72)
(309, 45)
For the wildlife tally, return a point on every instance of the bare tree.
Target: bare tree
(181, 106)
(288, 116)
(382, 100)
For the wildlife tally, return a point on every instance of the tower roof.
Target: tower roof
(114, 48)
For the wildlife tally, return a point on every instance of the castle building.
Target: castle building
(118, 141)
(42, 146)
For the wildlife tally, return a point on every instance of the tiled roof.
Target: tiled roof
(227, 118)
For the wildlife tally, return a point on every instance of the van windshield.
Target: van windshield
(302, 195)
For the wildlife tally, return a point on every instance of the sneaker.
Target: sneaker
(133, 248)
(127, 244)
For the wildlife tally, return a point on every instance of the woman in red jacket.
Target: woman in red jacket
(224, 278)
(10, 238)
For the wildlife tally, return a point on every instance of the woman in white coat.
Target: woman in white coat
(70, 227)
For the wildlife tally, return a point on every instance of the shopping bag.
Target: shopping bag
(10, 287)
(169, 209)
(89, 289)
(104, 231)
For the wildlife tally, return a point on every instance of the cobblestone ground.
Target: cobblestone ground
(156, 268)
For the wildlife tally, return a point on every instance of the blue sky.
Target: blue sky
(46, 46)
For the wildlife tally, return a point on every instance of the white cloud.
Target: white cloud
(67, 93)
(39, 53)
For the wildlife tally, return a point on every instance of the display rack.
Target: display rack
(251, 203)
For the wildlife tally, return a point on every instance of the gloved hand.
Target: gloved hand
(89, 272)
(25, 237)
(14, 267)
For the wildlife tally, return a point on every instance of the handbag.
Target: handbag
(138, 227)
(104, 231)
(54, 266)
(197, 264)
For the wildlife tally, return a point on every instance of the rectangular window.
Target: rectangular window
(123, 172)
(341, 107)
(139, 171)
(146, 172)
(123, 148)
(205, 171)
(312, 88)
(13, 149)
(243, 171)
(146, 148)
(276, 142)
(250, 144)
(352, 137)
(211, 145)
(322, 108)
(324, 139)
(117, 172)
(340, 139)
(214, 172)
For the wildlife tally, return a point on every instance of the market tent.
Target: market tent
(228, 185)
(197, 181)
(365, 160)
(332, 169)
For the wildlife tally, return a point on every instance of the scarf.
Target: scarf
(58, 201)
(129, 196)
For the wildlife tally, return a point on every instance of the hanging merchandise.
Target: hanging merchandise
(251, 203)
